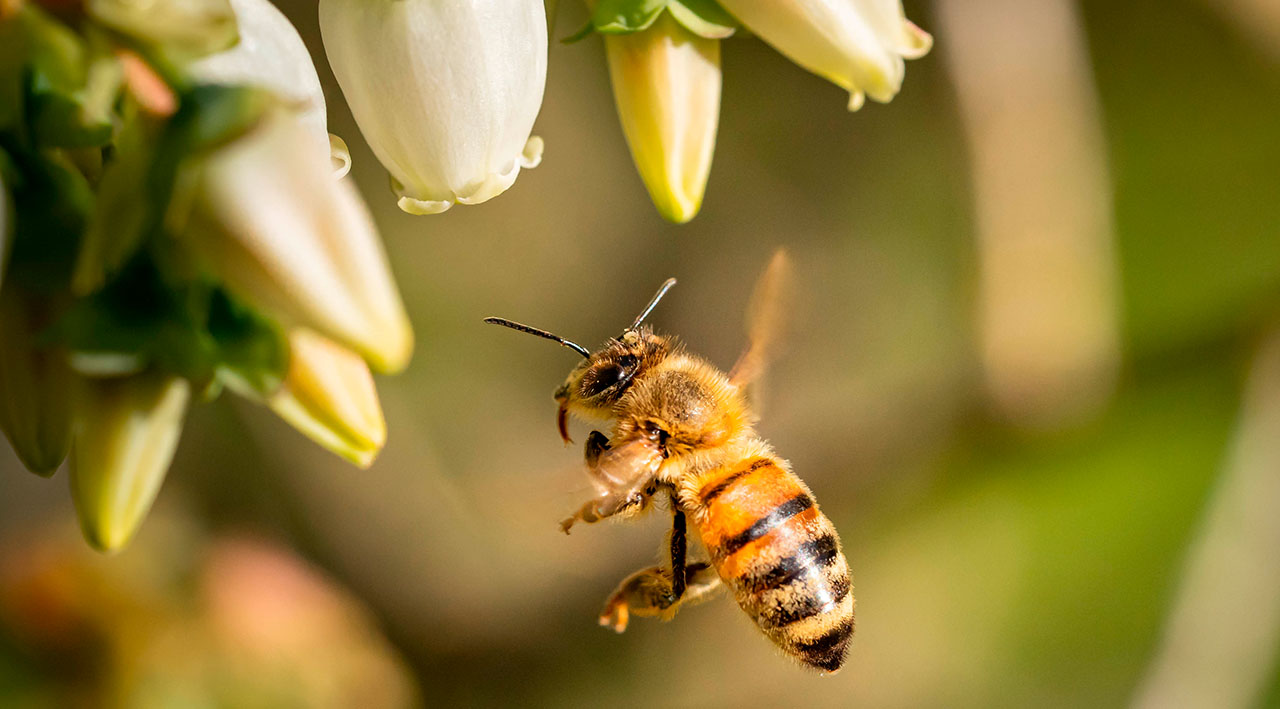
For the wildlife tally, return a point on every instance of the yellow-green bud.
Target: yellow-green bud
(329, 395)
(666, 83)
(126, 432)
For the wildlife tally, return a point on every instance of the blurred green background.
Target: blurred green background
(1003, 554)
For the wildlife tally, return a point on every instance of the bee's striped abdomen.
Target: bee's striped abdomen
(781, 557)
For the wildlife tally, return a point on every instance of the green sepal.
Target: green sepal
(189, 328)
(580, 35)
(704, 18)
(252, 351)
(625, 16)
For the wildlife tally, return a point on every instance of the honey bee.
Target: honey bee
(682, 430)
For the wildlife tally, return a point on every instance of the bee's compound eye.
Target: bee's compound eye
(603, 378)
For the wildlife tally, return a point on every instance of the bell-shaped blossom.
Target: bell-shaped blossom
(444, 92)
(271, 224)
(859, 45)
(666, 83)
(271, 55)
(126, 432)
(35, 404)
(328, 394)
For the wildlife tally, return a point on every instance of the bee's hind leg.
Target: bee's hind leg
(661, 591)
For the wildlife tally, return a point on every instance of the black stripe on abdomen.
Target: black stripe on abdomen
(813, 595)
(767, 523)
(723, 485)
(827, 651)
(817, 553)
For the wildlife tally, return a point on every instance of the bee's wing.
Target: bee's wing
(629, 465)
(765, 315)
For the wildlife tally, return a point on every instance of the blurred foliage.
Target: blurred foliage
(994, 567)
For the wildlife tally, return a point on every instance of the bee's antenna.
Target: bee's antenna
(540, 333)
(653, 303)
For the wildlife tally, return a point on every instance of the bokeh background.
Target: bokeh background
(1032, 375)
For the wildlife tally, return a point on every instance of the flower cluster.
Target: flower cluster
(173, 225)
(446, 92)
(174, 222)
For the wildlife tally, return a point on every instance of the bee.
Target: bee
(683, 432)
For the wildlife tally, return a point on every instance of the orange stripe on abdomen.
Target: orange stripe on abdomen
(745, 501)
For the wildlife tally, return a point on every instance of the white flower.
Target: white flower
(273, 226)
(666, 83)
(126, 432)
(444, 91)
(858, 45)
(271, 55)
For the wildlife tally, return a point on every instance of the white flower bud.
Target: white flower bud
(126, 432)
(859, 45)
(272, 225)
(444, 91)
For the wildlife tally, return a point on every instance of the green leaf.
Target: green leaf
(252, 352)
(704, 18)
(624, 16)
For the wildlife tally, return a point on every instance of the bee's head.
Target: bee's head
(600, 380)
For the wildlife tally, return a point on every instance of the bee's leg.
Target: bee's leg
(659, 591)
(610, 502)
(648, 592)
(607, 505)
(679, 547)
(597, 443)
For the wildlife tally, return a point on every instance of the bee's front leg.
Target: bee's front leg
(616, 495)
(608, 505)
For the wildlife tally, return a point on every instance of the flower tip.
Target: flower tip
(677, 208)
(421, 207)
(340, 156)
(531, 156)
(392, 353)
(918, 42)
(329, 396)
(857, 99)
